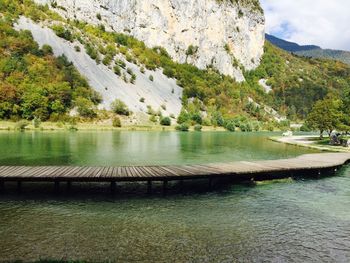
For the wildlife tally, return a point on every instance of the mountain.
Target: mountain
(309, 50)
(97, 49)
(202, 33)
(288, 46)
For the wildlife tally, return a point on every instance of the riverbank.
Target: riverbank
(311, 142)
(94, 126)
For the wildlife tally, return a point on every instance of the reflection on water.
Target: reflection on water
(294, 221)
(137, 148)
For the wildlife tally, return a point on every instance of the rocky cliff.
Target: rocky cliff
(224, 34)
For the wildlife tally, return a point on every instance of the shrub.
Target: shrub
(120, 107)
(116, 122)
(90, 50)
(129, 71)
(183, 117)
(133, 78)
(85, 107)
(98, 16)
(117, 70)
(36, 122)
(153, 118)
(120, 63)
(47, 50)
(151, 78)
(62, 32)
(21, 125)
(142, 100)
(183, 127)
(230, 126)
(77, 48)
(197, 118)
(305, 128)
(166, 121)
(191, 50)
(198, 127)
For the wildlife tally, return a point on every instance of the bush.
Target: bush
(62, 32)
(183, 127)
(120, 107)
(151, 78)
(117, 70)
(36, 122)
(198, 127)
(166, 121)
(183, 117)
(116, 122)
(230, 126)
(47, 50)
(142, 100)
(85, 108)
(21, 125)
(197, 118)
(305, 128)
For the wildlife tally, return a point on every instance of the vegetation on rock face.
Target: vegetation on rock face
(297, 83)
(33, 83)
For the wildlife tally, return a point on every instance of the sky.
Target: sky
(325, 23)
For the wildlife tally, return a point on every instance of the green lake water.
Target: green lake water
(305, 220)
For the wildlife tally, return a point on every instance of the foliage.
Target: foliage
(120, 107)
(21, 125)
(297, 83)
(116, 122)
(85, 107)
(325, 116)
(166, 121)
(33, 83)
(36, 122)
(198, 127)
(230, 125)
(184, 127)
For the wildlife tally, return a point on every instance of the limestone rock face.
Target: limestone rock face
(225, 35)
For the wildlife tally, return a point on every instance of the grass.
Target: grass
(94, 126)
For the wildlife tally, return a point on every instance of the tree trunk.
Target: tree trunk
(321, 134)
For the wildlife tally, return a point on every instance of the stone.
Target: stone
(228, 35)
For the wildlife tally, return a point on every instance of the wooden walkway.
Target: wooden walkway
(245, 170)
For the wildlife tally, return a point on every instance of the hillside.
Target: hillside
(310, 50)
(287, 45)
(202, 33)
(297, 82)
(150, 82)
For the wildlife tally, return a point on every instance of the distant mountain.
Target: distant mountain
(310, 50)
(289, 46)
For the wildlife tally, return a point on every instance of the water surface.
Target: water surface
(138, 148)
(293, 221)
(299, 221)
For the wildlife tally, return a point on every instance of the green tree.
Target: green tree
(120, 107)
(325, 116)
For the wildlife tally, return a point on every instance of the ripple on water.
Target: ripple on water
(300, 221)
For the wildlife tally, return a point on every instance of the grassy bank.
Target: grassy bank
(92, 126)
(311, 142)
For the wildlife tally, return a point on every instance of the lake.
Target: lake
(302, 220)
(138, 148)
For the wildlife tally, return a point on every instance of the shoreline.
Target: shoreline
(309, 141)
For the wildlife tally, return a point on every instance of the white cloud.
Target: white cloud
(323, 22)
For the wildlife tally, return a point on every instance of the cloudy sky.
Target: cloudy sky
(325, 23)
